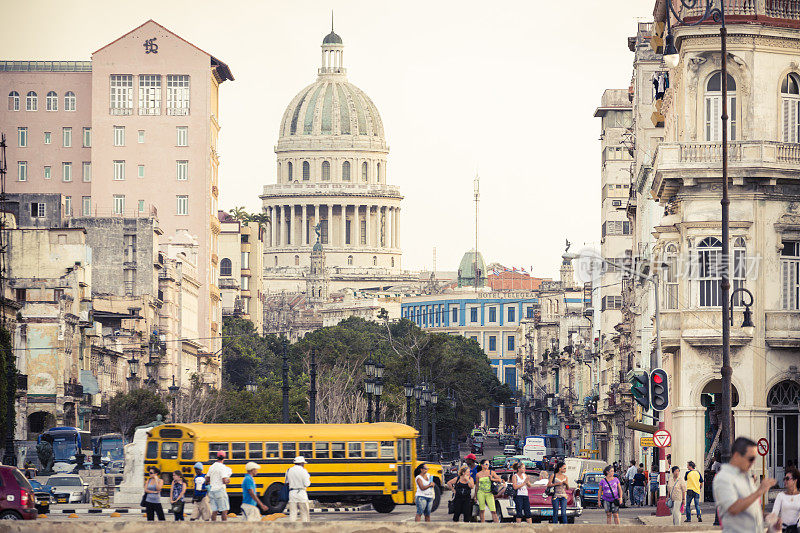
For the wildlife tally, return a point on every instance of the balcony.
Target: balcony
(73, 390)
(744, 10)
(783, 329)
(700, 327)
(228, 283)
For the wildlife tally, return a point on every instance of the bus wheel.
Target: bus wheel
(383, 504)
(271, 499)
(437, 497)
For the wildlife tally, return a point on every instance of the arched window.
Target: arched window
(349, 260)
(306, 171)
(713, 108)
(790, 105)
(276, 260)
(374, 260)
(784, 396)
(52, 101)
(297, 260)
(326, 171)
(69, 101)
(364, 171)
(225, 268)
(289, 170)
(13, 101)
(709, 262)
(31, 102)
(378, 173)
(392, 261)
(671, 277)
(346, 171)
(739, 268)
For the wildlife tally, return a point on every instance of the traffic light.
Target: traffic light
(659, 389)
(569, 427)
(640, 389)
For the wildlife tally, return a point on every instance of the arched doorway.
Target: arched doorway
(38, 422)
(783, 401)
(711, 398)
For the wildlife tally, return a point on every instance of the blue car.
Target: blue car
(588, 485)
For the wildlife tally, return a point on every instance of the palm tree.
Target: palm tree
(239, 213)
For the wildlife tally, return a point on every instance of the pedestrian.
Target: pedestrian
(694, 486)
(676, 492)
(611, 495)
(251, 503)
(520, 482)
(786, 509)
(629, 475)
(559, 501)
(152, 492)
(218, 477)
(462, 486)
(299, 480)
(202, 509)
(639, 481)
(176, 495)
(735, 494)
(425, 493)
(654, 482)
(484, 493)
(472, 465)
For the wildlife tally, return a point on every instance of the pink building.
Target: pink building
(130, 133)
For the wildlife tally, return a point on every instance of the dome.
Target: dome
(466, 270)
(332, 38)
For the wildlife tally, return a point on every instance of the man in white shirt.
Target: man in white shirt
(629, 475)
(219, 475)
(298, 479)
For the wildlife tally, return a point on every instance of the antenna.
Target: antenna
(331, 20)
(476, 188)
(434, 260)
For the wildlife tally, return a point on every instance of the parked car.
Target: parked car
(541, 505)
(68, 488)
(493, 432)
(17, 498)
(530, 466)
(588, 486)
(498, 461)
(509, 450)
(42, 495)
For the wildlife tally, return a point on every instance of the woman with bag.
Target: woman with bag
(177, 494)
(676, 492)
(152, 494)
(611, 495)
(425, 493)
(520, 483)
(485, 494)
(559, 483)
(786, 509)
(462, 486)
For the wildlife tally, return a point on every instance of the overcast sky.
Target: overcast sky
(508, 88)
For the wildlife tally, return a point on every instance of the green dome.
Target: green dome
(332, 38)
(466, 270)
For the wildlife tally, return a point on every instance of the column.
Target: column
(344, 226)
(304, 222)
(312, 237)
(397, 229)
(367, 209)
(277, 222)
(290, 226)
(271, 213)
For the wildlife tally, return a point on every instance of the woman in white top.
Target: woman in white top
(786, 509)
(425, 492)
(520, 481)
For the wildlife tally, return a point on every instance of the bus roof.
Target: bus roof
(295, 432)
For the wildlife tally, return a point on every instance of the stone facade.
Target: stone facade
(241, 251)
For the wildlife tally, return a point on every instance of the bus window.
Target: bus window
(305, 449)
(152, 450)
(255, 451)
(169, 450)
(187, 451)
(354, 450)
(272, 449)
(322, 451)
(337, 450)
(387, 449)
(370, 450)
(214, 447)
(238, 450)
(289, 450)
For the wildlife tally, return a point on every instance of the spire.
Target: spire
(332, 53)
(332, 21)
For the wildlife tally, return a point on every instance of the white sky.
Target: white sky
(506, 87)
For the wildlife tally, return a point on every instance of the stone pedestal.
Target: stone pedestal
(130, 491)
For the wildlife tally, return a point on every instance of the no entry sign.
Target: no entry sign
(662, 438)
(763, 446)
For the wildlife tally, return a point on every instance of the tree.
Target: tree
(126, 410)
(197, 403)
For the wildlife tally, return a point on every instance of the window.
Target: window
(87, 137)
(364, 171)
(86, 206)
(47, 137)
(326, 171)
(296, 260)
(47, 174)
(66, 171)
(346, 171)
(529, 312)
(141, 136)
(512, 314)
(354, 450)
(790, 275)
(149, 94)
(121, 94)
(87, 171)
(616, 227)
(713, 108)
(182, 170)
(22, 137)
(371, 450)
(68, 205)
(187, 451)
(473, 314)
(119, 135)
(182, 205)
(306, 171)
(272, 450)
(322, 450)
(378, 173)
(616, 203)
(238, 450)
(337, 450)
(119, 204)
(492, 343)
(363, 237)
(511, 341)
(387, 449)
(119, 170)
(51, 102)
(152, 450)
(510, 377)
(289, 450)
(492, 314)
(349, 260)
(454, 315)
(140, 171)
(141, 206)
(289, 171)
(22, 171)
(245, 260)
(66, 133)
(214, 447)
(69, 101)
(671, 277)
(13, 101)
(709, 263)
(611, 302)
(31, 102)
(38, 209)
(790, 104)
(182, 136)
(305, 449)
(739, 268)
(177, 94)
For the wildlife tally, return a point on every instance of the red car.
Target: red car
(541, 505)
(17, 500)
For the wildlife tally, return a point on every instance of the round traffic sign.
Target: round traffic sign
(662, 438)
(763, 446)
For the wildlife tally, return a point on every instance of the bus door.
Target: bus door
(405, 476)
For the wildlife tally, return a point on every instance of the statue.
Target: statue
(45, 452)
(159, 421)
(568, 245)
(318, 231)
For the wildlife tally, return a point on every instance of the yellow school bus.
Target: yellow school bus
(352, 463)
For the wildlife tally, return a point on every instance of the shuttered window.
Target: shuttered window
(790, 106)
(713, 108)
(790, 275)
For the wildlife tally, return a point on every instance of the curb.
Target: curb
(135, 510)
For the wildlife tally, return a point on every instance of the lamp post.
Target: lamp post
(133, 364)
(423, 445)
(417, 416)
(378, 389)
(312, 393)
(408, 390)
(434, 445)
(426, 416)
(173, 392)
(453, 443)
(251, 387)
(369, 385)
(285, 387)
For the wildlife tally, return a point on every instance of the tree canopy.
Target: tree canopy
(126, 410)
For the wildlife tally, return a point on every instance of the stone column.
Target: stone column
(304, 222)
(397, 229)
(391, 227)
(276, 221)
(368, 209)
(290, 225)
(343, 228)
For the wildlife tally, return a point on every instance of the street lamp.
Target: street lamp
(173, 392)
(453, 444)
(378, 390)
(747, 321)
(424, 428)
(426, 416)
(418, 420)
(133, 364)
(251, 387)
(369, 367)
(285, 386)
(369, 388)
(312, 393)
(408, 390)
(434, 401)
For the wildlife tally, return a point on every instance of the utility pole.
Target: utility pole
(10, 456)
(476, 188)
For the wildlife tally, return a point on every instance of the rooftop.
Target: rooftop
(45, 66)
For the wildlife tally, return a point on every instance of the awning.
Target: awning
(89, 382)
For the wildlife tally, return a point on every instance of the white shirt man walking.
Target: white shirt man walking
(298, 479)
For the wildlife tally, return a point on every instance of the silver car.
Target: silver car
(68, 488)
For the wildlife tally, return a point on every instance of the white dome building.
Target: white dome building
(331, 171)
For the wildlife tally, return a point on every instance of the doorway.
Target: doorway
(783, 427)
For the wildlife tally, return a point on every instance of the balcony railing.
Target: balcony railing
(780, 9)
(73, 390)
